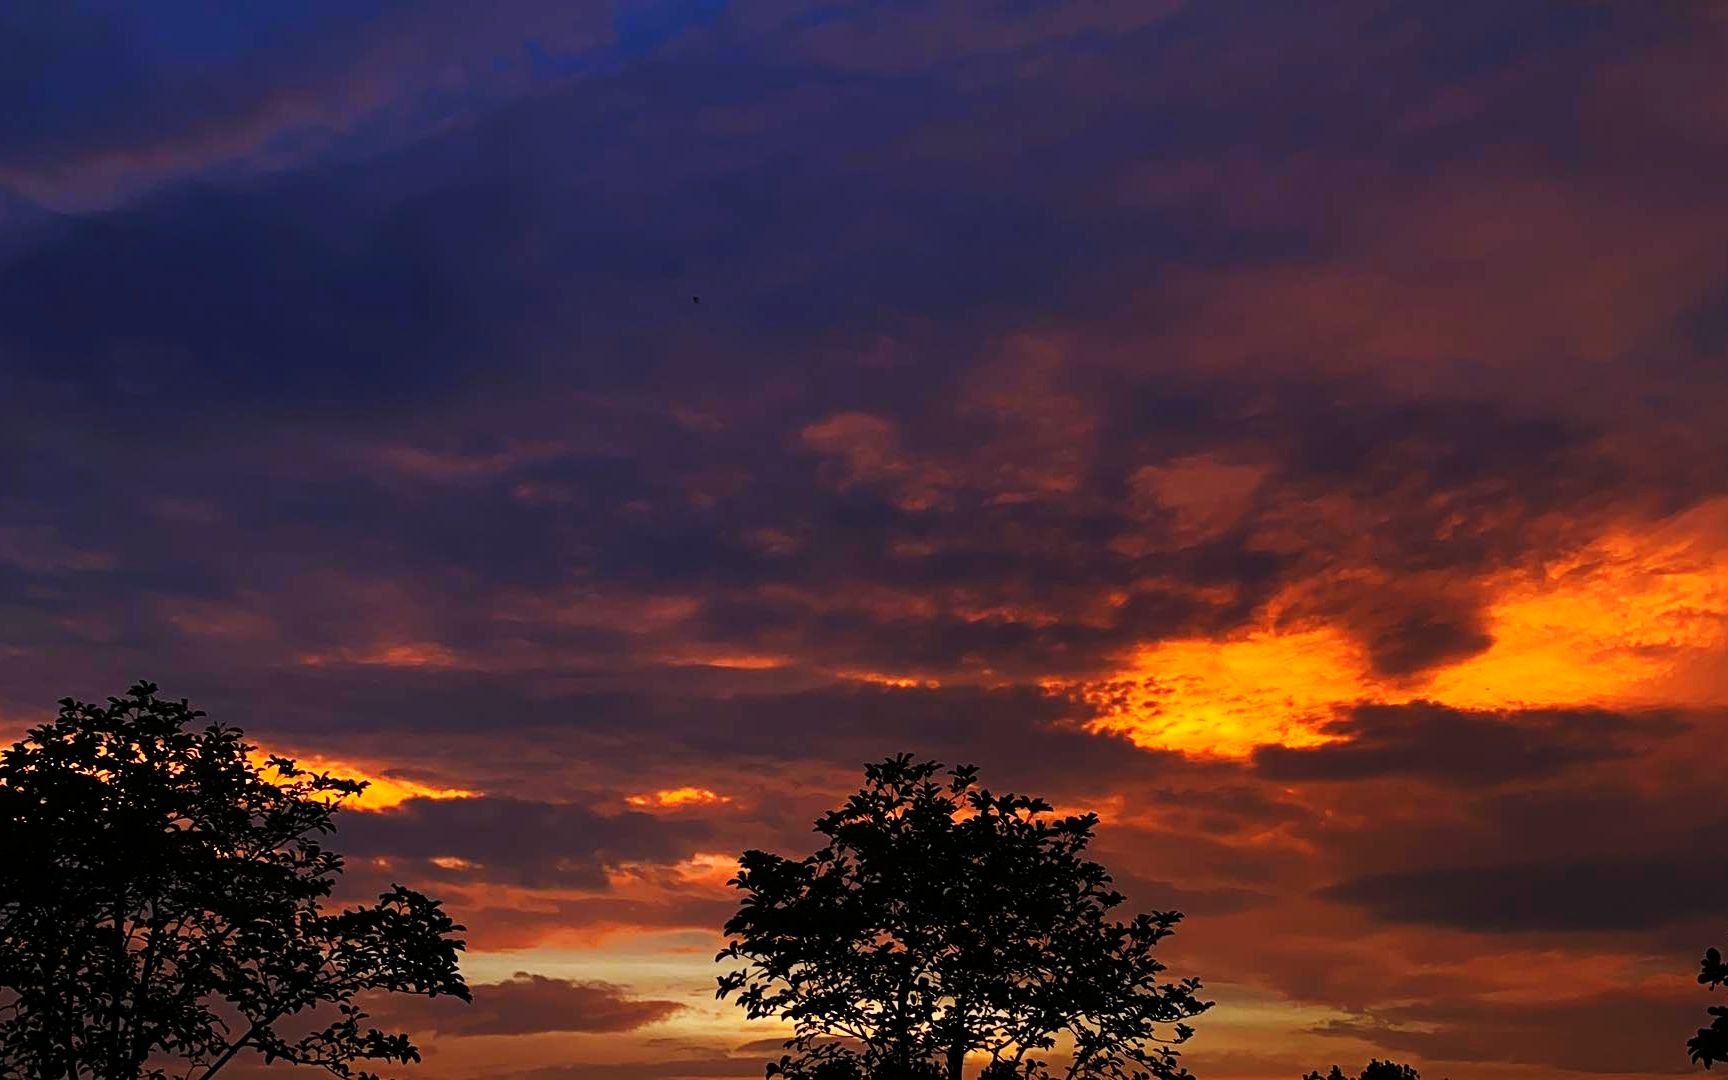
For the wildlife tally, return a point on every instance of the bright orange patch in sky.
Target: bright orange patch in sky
(1628, 621)
(672, 798)
(382, 792)
(1634, 619)
(1227, 697)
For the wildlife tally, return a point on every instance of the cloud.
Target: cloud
(1460, 747)
(1628, 1030)
(108, 103)
(528, 1004)
(1147, 894)
(517, 841)
(1617, 893)
(1294, 435)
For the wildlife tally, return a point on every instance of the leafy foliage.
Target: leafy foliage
(1710, 1045)
(160, 902)
(942, 919)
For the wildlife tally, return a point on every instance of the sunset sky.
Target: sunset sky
(1295, 431)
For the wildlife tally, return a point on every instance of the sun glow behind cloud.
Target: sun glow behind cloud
(1630, 621)
(1623, 622)
(383, 790)
(1227, 697)
(676, 798)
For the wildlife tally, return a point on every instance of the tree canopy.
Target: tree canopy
(161, 906)
(941, 919)
(1710, 1045)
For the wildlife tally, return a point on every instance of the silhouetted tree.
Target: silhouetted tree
(160, 901)
(1710, 1045)
(941, 919)
(1374, 1070)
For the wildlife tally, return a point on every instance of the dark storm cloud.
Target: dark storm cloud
(1026, 740)
(1459, 747)
(543, 197)
(1608, 893)
(501, 839)
(350, 293)
(764, 554)
(206, 300)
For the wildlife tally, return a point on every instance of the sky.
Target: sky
(1293, 431)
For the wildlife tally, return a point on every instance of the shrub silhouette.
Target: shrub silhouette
(1710, 1045)
(160, 898)
(941, 919)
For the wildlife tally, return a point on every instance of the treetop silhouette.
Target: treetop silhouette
(942, 920)
(161, 902)
(1710, 1045)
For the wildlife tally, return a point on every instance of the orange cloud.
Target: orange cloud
(897, 682)
(709, 870)
(1633, 619)
(1205, 496)
(1224, 698)
(383, 790)
(677, 798)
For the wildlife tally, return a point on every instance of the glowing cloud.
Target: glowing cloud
(1632, 619)
(896, 682)
(678, 798)
(1625, 622)
(1225, 698)
(383, 791)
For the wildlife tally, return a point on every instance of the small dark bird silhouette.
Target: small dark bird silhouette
(695, 299)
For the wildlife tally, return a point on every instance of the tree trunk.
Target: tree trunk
(957, 1043)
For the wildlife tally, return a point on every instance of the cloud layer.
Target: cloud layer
(1294, 434)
